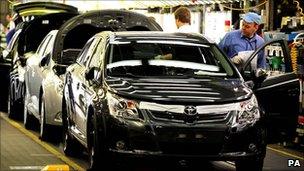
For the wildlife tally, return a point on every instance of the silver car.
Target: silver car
(38, 78)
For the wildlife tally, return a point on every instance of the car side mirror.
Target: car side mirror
(259, 74)
(44, 61)
(59, 69)
(247, 74)
(93, 74)
(22, 60)
(250, 84)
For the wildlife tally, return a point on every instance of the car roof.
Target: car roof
(159, 35)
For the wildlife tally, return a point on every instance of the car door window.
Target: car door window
(43, 44)
(83, 54)
(86, 54)
(97, 52)
(276, 57)
(49, 46)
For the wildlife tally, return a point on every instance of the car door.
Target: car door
(94, 61)
(34, 75)
(76, 90)
(277, 90)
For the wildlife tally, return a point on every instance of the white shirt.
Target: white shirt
(185, 29)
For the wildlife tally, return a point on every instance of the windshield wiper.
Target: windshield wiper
(194, 76)
(124, 75)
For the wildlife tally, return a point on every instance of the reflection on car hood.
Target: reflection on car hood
(211, 90)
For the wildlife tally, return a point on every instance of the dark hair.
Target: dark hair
(183, 14)
(9, 14)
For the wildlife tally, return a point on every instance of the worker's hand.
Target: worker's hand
(166, 56)
(260, 72)
(237, 60)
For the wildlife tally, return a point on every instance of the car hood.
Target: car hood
(183, 91)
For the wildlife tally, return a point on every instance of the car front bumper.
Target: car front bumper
(212, 141)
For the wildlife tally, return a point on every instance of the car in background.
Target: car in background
(45, 69)
(171, 95)
(35, 20)
(31, 10)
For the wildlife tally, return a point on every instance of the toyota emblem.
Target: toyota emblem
(190, 110)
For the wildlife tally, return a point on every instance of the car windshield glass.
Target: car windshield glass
(166, 58)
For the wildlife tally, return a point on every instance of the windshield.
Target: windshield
(143, 58)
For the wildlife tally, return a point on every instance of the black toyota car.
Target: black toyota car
(173, 95)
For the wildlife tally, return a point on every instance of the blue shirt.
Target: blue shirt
(9, 36)
(234, 42)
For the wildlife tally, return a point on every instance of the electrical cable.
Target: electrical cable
(298, 40)
(9, 1)
(13, 2)
(245, 9)
(295, 52)
(298, 7)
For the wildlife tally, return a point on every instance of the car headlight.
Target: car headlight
(247, 113)
(120, 107)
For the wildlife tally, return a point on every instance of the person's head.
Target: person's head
(8, 17)
(182, 16)
(251, 22)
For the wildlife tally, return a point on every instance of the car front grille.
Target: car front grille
(181, 117)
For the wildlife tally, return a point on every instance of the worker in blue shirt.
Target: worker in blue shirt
(244, 40)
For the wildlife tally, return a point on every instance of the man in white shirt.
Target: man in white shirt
(183, 20)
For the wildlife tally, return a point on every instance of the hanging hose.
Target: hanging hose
(294, 55)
